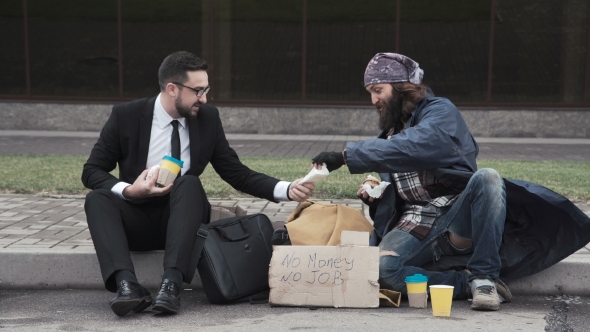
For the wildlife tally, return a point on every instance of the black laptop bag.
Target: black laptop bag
(235, 258)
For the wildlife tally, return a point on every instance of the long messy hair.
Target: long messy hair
(408, 96)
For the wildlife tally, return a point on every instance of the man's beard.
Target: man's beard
(392, 115)
(186, 111)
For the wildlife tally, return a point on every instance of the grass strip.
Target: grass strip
(58, 174)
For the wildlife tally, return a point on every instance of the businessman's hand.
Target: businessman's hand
(143, 189)
(300, 192)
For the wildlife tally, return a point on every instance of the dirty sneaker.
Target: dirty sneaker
(485, 298)
(488, 293)
(503, 291)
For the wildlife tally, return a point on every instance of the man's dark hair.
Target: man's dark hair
(175, 66)
(407, 97)
(411, 94)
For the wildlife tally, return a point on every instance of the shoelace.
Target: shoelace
(485, 289)
(168, 287)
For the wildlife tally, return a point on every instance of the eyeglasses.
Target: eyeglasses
(198, 92)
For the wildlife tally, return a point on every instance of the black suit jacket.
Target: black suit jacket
(125, 139)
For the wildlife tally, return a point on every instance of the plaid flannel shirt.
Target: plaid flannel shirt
(420, 208)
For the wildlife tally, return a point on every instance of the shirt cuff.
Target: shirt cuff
(280, 192)
(119, 187)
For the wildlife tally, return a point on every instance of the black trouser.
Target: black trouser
(169, 222)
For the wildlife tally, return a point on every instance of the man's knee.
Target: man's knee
(97, 196)
(487, 176)
(187, 181)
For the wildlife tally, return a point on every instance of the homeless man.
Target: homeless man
(130, 213)
(440, 216)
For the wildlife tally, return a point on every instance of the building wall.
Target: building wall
(549, 123)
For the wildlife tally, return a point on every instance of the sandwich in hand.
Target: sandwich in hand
(373, 187)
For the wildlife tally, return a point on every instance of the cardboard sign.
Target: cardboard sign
(328, 276)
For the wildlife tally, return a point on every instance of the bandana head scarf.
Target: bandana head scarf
(392, 68)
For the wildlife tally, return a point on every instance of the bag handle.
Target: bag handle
(234, 238)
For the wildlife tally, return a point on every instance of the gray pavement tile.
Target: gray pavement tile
(17, 218)
(10, 236)
(28, 246)
(8, 214)
(12, 231)
(55, 218)
(48, 242)
(27, 241)
(5, 206)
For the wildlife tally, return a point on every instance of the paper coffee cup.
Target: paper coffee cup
(416, 286)
(441, 299)
(169, 170)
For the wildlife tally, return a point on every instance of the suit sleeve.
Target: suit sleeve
(227, 164)
(104, 156)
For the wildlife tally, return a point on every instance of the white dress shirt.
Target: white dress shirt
(160, 146)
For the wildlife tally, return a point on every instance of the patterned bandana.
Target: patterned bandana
(392, 68)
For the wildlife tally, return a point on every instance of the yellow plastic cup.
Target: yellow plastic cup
(172, 164)
(416, 287)
(441, 297)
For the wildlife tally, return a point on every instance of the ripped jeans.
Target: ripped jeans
(478, 214)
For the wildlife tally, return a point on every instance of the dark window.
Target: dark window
(540, 51)
(257, 50)
(12, 57)
(450, 41)
(151, 31)
(270, 51)
(341, 39)
(73, 47)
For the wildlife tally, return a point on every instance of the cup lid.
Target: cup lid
(417, 278)
(174, 160)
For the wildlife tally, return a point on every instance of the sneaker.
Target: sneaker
(484, 291)
(485, 298)
(503, 291)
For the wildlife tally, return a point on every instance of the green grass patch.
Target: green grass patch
(56, 174)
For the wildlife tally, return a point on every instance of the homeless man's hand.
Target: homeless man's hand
(370, 201)
(333, 160)
(300, 192)
(143, 189)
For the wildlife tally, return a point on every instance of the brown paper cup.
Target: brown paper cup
(165, 177)
(418, 300)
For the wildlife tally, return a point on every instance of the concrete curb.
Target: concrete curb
(60, 270)
(79, 270)
(570, 276)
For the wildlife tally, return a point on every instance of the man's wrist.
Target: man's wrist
(119, 188)
(288, 189)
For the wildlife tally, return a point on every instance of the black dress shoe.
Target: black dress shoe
(168, 298)
(130, 296)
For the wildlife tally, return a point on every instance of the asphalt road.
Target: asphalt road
(88, 310)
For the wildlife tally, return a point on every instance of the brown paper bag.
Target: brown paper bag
(320, 224)
(389, 298)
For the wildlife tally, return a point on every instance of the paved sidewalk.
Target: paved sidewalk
(307, 146)
(45, 243)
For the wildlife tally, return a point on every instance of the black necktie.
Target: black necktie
(175, 140)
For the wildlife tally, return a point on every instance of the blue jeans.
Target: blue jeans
(478, 214)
